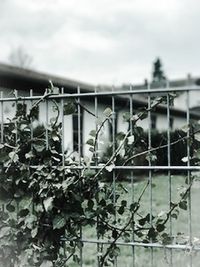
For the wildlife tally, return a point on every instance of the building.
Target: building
(29, 82)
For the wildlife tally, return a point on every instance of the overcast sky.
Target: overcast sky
(104, 41)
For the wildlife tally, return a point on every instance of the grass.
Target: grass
(161, 257)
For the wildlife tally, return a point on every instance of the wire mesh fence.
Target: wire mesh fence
(78, 115)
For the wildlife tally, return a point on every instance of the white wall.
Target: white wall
(181, 100)
(89, 121)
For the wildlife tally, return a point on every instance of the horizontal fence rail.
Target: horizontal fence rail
(77, 124)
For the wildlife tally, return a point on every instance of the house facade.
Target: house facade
(32, 84)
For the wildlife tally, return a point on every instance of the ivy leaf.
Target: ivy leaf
(160, 227)
(29, 155)
(107, 112)
(4, 231)
(58, 222)
(109, 168)
(131, 139)
(142, 115)
(46, 263)
(166, 239)
(120, 136)
(121, 210)
(1, 146)
(124, 203)
(10, 208)
(183, 205)
(69, 108)
(13, 156)
(92, 133)
(55, 137)
(91, 149)
(39, 148)
(48, 203)
(185, 159)
(34, 232)
(25, 203)
(152, 233)
(114, 233)
(23, 212)
(197, 137)
(90, 142)
(156, 102)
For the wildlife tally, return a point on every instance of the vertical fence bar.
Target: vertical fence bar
(62, 131)
(149, 161)
(31, 95)
(2, 119)
(16, 96)
(96, 164)
(114, 150)
(169, 164)
(63, 151)
(2, 129)
(132, 178)
(79, 156)
(189, 179)
(47, 121)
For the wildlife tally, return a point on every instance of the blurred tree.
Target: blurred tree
(20, 58)
(158, 73)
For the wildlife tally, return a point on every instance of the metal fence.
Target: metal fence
(138, 253)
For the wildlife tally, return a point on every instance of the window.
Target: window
(75, 123)
(111, 127)
(153, 121)
(35, 113)
(21, 109)
(171, 122)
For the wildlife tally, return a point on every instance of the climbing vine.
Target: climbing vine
(47, 194)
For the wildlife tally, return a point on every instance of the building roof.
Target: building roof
(20, 78)
(13, 77)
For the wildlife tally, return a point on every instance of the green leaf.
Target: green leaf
(69, 108)
(142, 115)
(120, 136)
(160, 227)
(121, 210)
(90, 204)
(107, 112)
(174, 215)
(25, 203)
(114, 233)
(55, 137)
(91, 149)
(126, 116)
(59, 222)
(131, 139)
(46, 263)
(109, 168)
(48, 203)
(29, 155)
(90, 142)
(10, 208)
(92, 133)
(197, 137)
(124, 203)
(183, 205)
(39, 148)
(4, 231)
(166, 239)
(23, 212)
(34, 232)
(152, 233)
(13, 156)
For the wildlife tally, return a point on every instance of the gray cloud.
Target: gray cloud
(104, 41)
